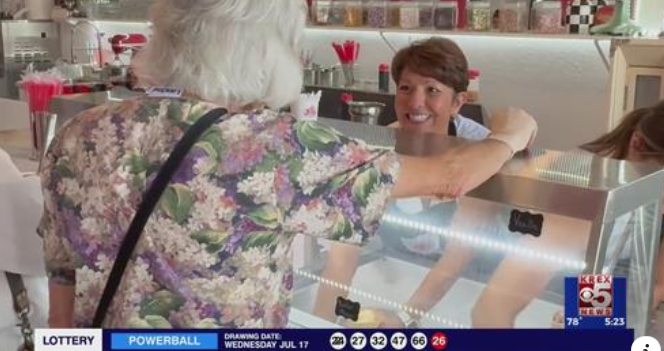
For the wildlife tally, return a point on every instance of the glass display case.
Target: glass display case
(498, 257)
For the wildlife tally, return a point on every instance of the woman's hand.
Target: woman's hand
(376, 318)
(513, 126)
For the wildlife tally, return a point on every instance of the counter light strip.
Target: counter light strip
(564, 177)
(382, 300)
(494, 245)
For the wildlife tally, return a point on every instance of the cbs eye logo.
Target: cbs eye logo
(595, 295)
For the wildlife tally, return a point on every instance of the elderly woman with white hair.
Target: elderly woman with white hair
(215, 251)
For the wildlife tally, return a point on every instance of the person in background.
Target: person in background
(432, 79)
(638, 138)
(216, 251)
(21, 256)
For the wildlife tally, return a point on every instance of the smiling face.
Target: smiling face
(432, 78)
(425, 104)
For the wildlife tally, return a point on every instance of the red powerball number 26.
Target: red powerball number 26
(439, 341)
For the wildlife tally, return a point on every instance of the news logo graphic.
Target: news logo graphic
(68, 340)
(595, 295)
(595, 302)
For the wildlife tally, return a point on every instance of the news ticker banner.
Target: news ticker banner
(327, 339)
(595, 318)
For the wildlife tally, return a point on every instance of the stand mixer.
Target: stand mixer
(118, 71)
(622, 22)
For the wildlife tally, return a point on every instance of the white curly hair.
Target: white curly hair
(232, 52)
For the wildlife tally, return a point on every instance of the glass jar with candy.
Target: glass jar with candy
(409, 14)
(426, 9)
(547, 17)
(321, 12)
(513, 16)
(393, 12)
(446, 16)
(337, 12)
(479, 15)
(376, 12)
(353, 13)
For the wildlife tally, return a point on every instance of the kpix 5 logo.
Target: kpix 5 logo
(595, 295)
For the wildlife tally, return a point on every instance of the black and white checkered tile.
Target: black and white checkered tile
(581, 16)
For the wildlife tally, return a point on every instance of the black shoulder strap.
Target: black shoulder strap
(149, 202)
(21, 308)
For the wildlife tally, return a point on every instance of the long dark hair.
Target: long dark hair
(649, 121)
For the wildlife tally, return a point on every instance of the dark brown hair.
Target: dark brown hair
(648, 121)
(437, 58)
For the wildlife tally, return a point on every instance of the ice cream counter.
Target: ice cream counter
(546, 216)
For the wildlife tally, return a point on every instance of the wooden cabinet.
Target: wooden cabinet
(645, 86)
(637, 76)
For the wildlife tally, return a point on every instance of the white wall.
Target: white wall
(15, 115)
(650, 15)
(563, 82)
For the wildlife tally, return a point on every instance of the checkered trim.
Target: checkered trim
(581, 16)
(588, 20)
(579, 28)
(583, 10)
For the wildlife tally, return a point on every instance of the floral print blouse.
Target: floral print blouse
(217, 250)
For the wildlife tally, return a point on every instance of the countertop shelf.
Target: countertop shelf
(532, 35)
(423, 31)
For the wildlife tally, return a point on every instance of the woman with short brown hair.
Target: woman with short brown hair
(432, 82)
